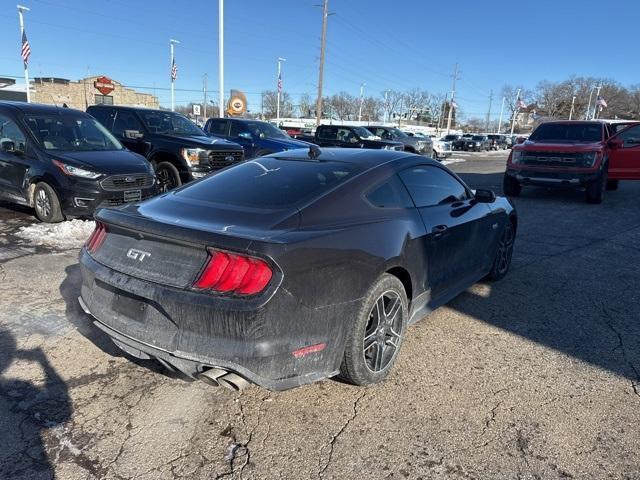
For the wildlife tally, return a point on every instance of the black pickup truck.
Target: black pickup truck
(176, 147)
(348, 136)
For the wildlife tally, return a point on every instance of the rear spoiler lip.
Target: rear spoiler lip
(180, 233)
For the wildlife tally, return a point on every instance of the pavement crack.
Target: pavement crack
(334, 438)
(490, 418)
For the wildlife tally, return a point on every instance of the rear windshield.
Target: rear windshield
(567, 133)
(269, 183)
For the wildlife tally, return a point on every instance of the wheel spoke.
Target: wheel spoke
(377, 359)
(369, 340)
(380, 315)
(393, 310)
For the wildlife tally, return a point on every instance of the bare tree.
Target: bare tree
(393, 102)
(270, 102)
(371, 108)
(343, 106)
(306, 106)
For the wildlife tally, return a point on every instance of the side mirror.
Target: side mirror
(246, 136)
(485, 196)
(616, 143)
(133, 135)
(8, 146)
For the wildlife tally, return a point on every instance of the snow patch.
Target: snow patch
(449, 161)
(64, 235)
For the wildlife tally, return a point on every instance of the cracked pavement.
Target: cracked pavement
(536, 376)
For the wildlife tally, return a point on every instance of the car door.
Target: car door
(455, 224)
(125, 124)
(624, 160)
(239, 132)
(347, 138)
(15, 158)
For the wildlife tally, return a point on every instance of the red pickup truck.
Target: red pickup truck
(594, 155)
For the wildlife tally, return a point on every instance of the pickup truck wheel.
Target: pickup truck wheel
(168, 177)
(47, 204)
(377, 333)
(612, 184)
(596, 188)
(510, 186)
(434, 155)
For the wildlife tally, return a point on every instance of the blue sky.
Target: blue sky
(396, 45)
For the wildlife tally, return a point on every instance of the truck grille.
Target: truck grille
(224, 159)
(559, 159)
(127, 182)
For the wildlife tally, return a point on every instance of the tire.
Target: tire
(434, 155)
(386, 301)
(612, 184)
(595, 189)
(504, 253)
(510, 186)
(47, 204)
(168, 177)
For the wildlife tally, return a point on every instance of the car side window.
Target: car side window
(103, 115)
(237, 128)
(126, 121)
(389, 194)
(328, 133)
(631, 137)
(430, 186)
(346, 135)
(218, 127)
(10, 132)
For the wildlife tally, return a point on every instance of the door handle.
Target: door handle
(439, 230)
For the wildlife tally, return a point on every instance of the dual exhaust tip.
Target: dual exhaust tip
(218, 377)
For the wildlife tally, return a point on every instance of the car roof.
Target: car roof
(362, 157)
(128, 107)
(38, 108)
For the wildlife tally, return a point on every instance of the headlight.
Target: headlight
(516, 156)
(589, 158)
(192, 155)
(76, 171)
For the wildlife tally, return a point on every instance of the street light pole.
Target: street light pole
(362, 85)
(501, 112)
(386, 106)
(586, 117)
(280, 60)
(21, 11)
(173, 42)
(515, 112)
(323, 46)
(573, 102)
(453, 94)
(221, 58)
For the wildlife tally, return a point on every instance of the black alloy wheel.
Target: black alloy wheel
(382, 335)
(46, 204)
(504, 253)
(167, 176)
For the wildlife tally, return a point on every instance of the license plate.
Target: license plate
(132, 196)
(129, 307)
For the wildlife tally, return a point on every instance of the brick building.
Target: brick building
(85, 92)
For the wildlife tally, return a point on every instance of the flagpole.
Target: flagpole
(501, 112)
(515, 113)
(362, 85)
(22, 9)
(172, 42)
(280, 60)
(595, 107)
(586, 117)
(573, 102)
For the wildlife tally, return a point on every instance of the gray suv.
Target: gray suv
(423, 146)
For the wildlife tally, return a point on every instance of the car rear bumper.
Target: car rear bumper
(194, 331)
(551, 178)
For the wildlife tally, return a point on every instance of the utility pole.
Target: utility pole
(453, 94)
(515, 112)
(573, 102)
(362, 85)
(221, 58)
(501, 112)
(323, 45)
(489, 111)
(280, 60)
(204, 90)
(26, 50)
(174, 71)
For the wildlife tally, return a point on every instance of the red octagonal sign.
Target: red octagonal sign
(104, 85)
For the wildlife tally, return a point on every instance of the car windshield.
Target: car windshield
(363, 132)
(69, 133)
(269, 183)
(567, 133)
(169, 123)
(265, 130)
(400, 133)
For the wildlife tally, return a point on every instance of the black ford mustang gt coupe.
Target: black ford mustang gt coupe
(293, 267)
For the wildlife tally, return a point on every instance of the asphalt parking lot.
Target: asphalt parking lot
(536, 376)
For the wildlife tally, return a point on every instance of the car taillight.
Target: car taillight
(232, 273)
(97, 237)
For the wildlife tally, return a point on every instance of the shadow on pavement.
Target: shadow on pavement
(27, 411)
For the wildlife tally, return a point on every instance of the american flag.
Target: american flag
(26, 49)
(601, 101)
(454, 105)
(521, 104)
(174, 70)
(279, 82)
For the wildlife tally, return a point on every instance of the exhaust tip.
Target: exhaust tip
(211, 376)
(233, 382)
